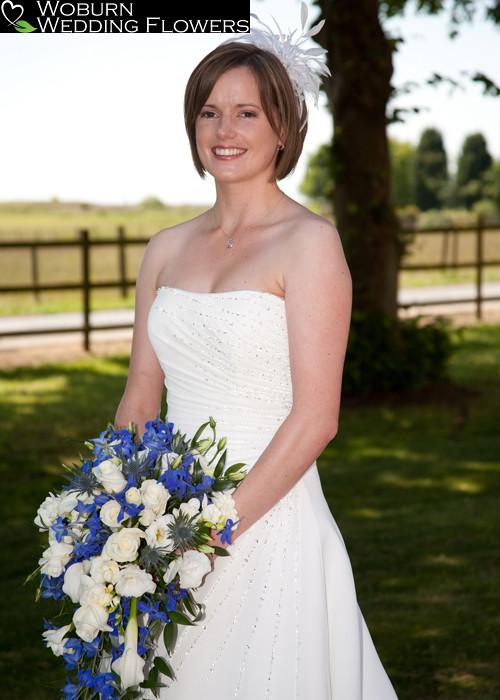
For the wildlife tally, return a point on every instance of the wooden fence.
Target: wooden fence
(450, 259)
(450, 246)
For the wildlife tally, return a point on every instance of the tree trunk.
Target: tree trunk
(360, 60)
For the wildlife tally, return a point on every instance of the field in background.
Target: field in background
(63, 221)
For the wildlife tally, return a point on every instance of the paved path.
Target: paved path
(446, 295)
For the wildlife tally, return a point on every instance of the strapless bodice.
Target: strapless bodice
(224, 355)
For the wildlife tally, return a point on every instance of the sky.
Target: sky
(98, 117)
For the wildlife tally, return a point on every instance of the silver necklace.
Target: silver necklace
(229, 239)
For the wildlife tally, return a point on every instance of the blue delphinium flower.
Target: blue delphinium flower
(71, 690)
(91, 649)
(73, 652)
(145, 605)
(52, 587)
(60, 528)
(226, 532)
(176, 481)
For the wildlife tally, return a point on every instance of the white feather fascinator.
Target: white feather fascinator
(303, 65)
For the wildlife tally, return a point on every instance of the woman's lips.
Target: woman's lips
(228, 152)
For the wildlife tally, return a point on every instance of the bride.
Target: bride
(243, 313)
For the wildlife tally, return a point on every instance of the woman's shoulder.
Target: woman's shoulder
(305, 230)
(177, 232)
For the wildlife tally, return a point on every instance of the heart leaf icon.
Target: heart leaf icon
(23, 26)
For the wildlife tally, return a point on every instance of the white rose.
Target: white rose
(102, 570)
(47, 512)
(124, 544)
(110, 512)
(76, 581)
(132, 581)
(55, 558)
(89, 620)
(158, 533)
(109, 474)
(154, 496)
(192, 566)
(97, 594)
(55, 641)
(133, 496)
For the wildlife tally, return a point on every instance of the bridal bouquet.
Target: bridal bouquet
(127, 542)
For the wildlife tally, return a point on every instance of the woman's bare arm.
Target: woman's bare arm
(318, 304)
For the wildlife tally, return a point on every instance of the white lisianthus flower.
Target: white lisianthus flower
(47, 512)
(76, 581)
(167, 459)
(158, 533)
(225, 503)
(103, 570)
(54, 639)
(97, 594)
(110, 512)
(67, 502)
(192, 566)
(191, 508)
(147, 516)
(109, 474)
(133, 496)
(212, 515)
(89, 620)
(67, 539)
(132, 581)
(206, 468)
(55, 558)
(124, 544)
(154, 496)
(129, 666)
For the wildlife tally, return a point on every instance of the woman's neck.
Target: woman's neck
(244, 206)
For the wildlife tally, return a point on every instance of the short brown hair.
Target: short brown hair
(276, 93)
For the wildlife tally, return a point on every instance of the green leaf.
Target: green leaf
(179, 618)
(163, 667)
(220, 465)
(234, 468)
(24, 27)
(221, 552)
(198, 433)
(168, 636)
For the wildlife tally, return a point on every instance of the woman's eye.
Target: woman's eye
(207, 115)
(247, 114)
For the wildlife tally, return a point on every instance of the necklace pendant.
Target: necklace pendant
(230, 243)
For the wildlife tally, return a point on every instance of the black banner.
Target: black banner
(138, 16)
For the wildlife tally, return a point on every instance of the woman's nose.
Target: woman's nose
(226, 126)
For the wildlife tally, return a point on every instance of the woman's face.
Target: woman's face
(234, 138)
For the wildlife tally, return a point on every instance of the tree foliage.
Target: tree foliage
(319, 179)
(473, 163)
(431, 170)
(403, 155)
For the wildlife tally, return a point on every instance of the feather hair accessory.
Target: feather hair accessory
(303, 65)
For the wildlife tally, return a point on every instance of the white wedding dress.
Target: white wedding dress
(281, 619)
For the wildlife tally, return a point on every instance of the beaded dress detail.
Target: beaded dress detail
(281, 616)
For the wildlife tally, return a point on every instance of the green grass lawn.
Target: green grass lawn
(412, 480)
